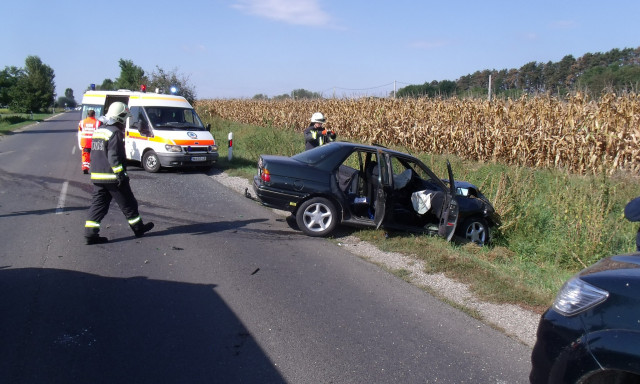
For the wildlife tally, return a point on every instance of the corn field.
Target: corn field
(578, 134)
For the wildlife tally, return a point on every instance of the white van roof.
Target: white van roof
(137, 98)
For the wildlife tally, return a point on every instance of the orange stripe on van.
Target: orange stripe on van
(156, 139)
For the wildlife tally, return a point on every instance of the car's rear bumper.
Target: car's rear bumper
(276, 198)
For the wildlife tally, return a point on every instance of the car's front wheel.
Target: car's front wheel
(476, 230)
(151, 162)
(317, 217)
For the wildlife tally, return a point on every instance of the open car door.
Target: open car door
(449, 216)
(383, 185)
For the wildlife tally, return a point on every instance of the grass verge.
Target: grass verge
(10, 122)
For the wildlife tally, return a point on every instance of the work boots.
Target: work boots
(142, 229)
(95, 239)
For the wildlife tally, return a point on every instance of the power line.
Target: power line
(336, 88)
(358, 89)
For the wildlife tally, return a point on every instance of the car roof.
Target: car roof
(372, 147)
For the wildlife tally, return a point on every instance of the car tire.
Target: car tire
(151, 162)
(476, 230)
(317, 217)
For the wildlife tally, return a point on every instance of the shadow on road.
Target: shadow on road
(60, 326)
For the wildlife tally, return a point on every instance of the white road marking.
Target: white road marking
(63, 197)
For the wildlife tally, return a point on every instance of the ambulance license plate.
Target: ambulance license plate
(198, 158)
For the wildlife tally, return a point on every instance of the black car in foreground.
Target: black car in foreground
(591, 334)
(371, 186)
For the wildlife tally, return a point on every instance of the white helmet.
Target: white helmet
(118, 111)
(318, 118)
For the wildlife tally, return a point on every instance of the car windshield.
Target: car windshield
(176, 119)
(315, 155)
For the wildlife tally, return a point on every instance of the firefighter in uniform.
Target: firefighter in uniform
(109, 176)
(85, 131)
(316, 135)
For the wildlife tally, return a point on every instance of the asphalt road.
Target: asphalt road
(221, 291)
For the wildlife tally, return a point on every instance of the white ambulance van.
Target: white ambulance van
(163, 130)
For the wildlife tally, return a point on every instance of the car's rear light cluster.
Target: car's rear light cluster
(265, 175)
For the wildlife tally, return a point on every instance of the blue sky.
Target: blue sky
(240, 48)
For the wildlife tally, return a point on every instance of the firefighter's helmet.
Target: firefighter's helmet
(318, 118)
(118, 111)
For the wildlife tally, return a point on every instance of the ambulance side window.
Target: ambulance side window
(139, 122)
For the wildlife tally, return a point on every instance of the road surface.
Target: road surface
(221, 291)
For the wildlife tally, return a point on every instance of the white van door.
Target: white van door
(137, 134)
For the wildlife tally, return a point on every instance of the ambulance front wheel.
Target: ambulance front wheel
(151, 162)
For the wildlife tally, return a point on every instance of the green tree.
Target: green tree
(164, 81)
(8, 79)
(530, 77)
(67, 100)
(444, 88)
(284, 96)
(34, 88)
(107, 85)
(304, 94)
(131, 76)
(611, 78)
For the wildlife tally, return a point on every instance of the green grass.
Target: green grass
(249, 142)
(554, 223)
(10, 121)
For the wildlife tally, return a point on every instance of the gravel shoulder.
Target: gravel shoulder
(514, 321)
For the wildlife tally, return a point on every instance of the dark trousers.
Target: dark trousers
(101, 199)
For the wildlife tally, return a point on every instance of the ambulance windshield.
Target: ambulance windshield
(174, 119)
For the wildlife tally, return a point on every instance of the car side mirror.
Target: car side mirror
(144, 128)
(209, 127)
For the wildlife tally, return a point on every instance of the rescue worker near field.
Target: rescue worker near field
(109, 176)
(316, 135)
(632, 213)
(85, 131)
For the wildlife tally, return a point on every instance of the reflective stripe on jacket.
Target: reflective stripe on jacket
(107, 154)
(85, 131)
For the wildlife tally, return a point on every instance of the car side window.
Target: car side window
(351, 173)
(354, 160)
(401, 173)
(139, 121)
(397, 167)
(384, 164)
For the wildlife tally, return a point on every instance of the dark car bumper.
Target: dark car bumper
(276, 198)
(180, 159)
(561, 353)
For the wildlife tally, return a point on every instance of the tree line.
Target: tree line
(133, 76)
(32, 88)
(28, 89)
(295, 94)
(617, 70)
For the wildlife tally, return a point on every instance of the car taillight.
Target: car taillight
(265, 176)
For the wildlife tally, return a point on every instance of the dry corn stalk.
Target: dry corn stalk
(578, 134)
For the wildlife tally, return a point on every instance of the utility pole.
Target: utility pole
(489, 87)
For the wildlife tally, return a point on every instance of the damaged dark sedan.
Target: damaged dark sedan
(371, 186)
